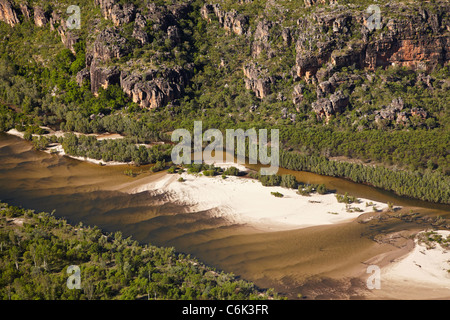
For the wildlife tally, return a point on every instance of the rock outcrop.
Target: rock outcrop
(419, 40)
(25, 10)
(109, 44)
(310, 3)
(395, 111)
(261, 41)
(83, 76)
(139, 32)
(325, 108)
(40, 16)
(8, 13)
(152, 88)
(155, 89)
(257, 80)
(232, 21)
(102, 76)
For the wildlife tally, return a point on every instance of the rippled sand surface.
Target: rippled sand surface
(318, 262)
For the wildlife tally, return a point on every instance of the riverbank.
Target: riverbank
(417, 271)
(246, 201)
(56, 148)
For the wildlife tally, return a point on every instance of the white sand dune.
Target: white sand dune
(247, 201)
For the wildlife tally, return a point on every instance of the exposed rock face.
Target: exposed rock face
(257, 80)
(323, 108)
(155, 89)
(103, 77)
(297, 94)
(309, 3)
(174, 34)
(121, 15)
(286, 34)
(327, 107)
(110, 44)
(139, 32)
(40, 17)
(419, 40)
(237, 23)
(106, 6)
(339, 101)
(8, 13)
(395, 112)
(25, 10)
(83, 76)
(261, 39)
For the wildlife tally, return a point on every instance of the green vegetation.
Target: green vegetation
(288, 181)
(277, 194)
(120, 150)
(429, 186)
(232, 171)
(37, 249)
(346, 198)
(321, 189)
(307, 189)
(430, 238)
(38, 88)
(159, 166)
(270, 180)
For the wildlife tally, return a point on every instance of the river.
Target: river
(319, 262)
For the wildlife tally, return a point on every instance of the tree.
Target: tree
(288, 181)
(322, 189)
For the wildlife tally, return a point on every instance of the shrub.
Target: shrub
(322, 189)
(272, 180)
(277, 194)
(232, 171)
(288, 181)
(172, 170)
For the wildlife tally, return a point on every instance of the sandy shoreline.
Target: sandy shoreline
(247, 201)
(420, 273)
(57, 148)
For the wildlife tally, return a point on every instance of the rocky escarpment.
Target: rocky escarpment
(417, 39)
(8, 13)
(333, 37)
(155, 88)
(231, 20)
(325, 108)
(150, 88)
(257, 80)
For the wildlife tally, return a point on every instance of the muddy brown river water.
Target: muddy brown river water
(318, 262)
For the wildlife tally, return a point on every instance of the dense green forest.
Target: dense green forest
(36, 250)
(38, 87)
